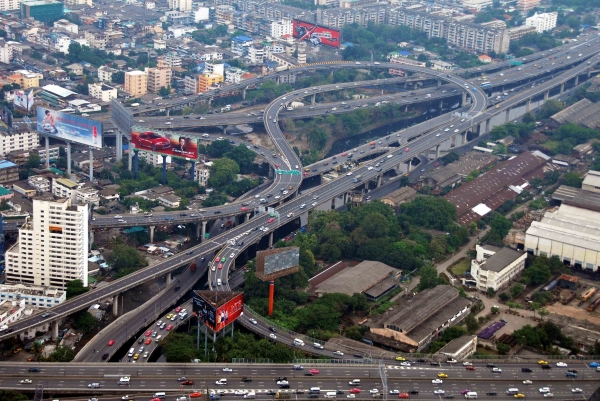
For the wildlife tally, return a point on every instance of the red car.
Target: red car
(354, 390)
(314, 371)
(148, 341)
(403, 395)
(305, 173)
(344, 154)
(169, 327)
(178, 309)
(407, 149)
(195, 395)
(187, 382)
(111, 343)
(217, 259)
(244, 208)
(436, 164)
(148, 333)
(470, 367)
(220, 266)
(272, 219)
(153, 141)
(276, 165)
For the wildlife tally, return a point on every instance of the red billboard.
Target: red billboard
(217, 317)
(316, 34)
(228, 312)
(166, 143)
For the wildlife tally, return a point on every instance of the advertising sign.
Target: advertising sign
(69, 127)
(274, 263)
(166, 143)
(23, 100)
(316, 34)
(218, 317)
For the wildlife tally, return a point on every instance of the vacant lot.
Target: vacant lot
(460, 267)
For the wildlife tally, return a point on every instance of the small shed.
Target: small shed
(567, 281)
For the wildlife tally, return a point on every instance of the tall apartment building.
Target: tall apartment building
(542, 22)
(53, 245)
(6, 5)
(158, 78)
(180, 5)
(523, 6)
(42, 10)
(17, 140)
(281, 28)
(136, 83)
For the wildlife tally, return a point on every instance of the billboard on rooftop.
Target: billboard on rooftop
(315, 34)
(69, 127)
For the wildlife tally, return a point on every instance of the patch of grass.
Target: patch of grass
(551, 145)
(460, 267)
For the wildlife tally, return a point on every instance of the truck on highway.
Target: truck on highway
(282, 396)
(357, 178)
(193, 267)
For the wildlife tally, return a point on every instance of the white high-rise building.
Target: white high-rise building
(180, 5)
(281, 28)
(542, 22)
(53, 245)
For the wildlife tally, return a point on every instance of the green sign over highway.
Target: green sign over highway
(292, 172)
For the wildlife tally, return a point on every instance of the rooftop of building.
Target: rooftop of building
(456, 345)
(357, 279)
(401, 195)
(592, 178)
(6, 164)
(500, 260)
(32, 290)
(584, 112)
(67, 183)
(569, 278)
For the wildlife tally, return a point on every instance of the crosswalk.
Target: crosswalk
(396, 367)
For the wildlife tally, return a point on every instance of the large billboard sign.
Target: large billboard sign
(166, 143)
(315, 34)
(23, 100)
(69, 127)
(218, 317)
(274, 263)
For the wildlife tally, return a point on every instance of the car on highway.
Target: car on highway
(349, 396)
(315, 371)
(576, 390)
(519, 395)
(544, 390)
(496, 370)
(561, 364)
(272, 219)
(127, 398)
(400, 358)
(220, 266)
(470, 367)
(26, 381)
(439, 392)
(405, 364)
(146, 354)
(437, 381)
(548, 395)
(542, 362)
(373, 391)
(594, 364)
(526, 370)
(148, 333)
(527, 382)
(169, 327)
(273, 336)
(451, 361)
(465, 391)
(407, 149)
(195, 395)
(403, 395)
(136, 356)
(148, 341)
(111, 343)
(442, 375)
(170, 315)
(394, 391)
(178, 309)
(187, 382)
(298, 367)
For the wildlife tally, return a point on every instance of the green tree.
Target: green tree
(534, 306)
(495, 310)
(539, 272)
(75, 288)
(543, 312)
(471, 323)
(125, 257)
(84, 321)
(503, 349)
(528, 118)
(499, 227)
(572, 179)
(164, 92)
(355, 332)
(223, 172)
(218, 149)
(178, 348)
(429, 278)
(504, 296)
(490, 292)
(61, 354)
(12, 395)
(118, 77)
(243, 156)
(33, 161)
(453, 332)
(517, 289)
(549, 108)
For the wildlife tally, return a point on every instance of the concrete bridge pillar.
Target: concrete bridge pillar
(488, 125)
(169, 278)
(54, 330)
(589, 73)
(507, 115)
(406, 108)
(248, 216)
(168, 111)
(481, 128)
(203, 230)
(271, 239)
(244, 93)
(576, 80)
(47, 140)
(152, 233)
(224, 130)
(437, 151)
(115, 305)
(198, 230)
(130, 160)
(119, 145)
(313, 99)
(441, 104)
(69, 159)
(379, 180)
(464, 98)
(528, 105)
(463, 138)
(410, 166)
(439, 82)
(562, 88)
(546, 95)
(271, 173)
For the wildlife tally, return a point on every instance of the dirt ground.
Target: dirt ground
(574, 312)
(260, 140)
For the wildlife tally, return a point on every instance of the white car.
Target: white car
(279, 382)
(213, 268)
(370, 168)
(561, 364)
(273, 336)
(227, 370)
(451, 361)
(26, 381)
(340, 353)
(437, 381)
(527, 382)
(351, 396)
(394, 391)
(127, 397)
(467, 363)
(439, 392)
(544, 390)
(497, 370)
(350, 173)
(548, 395)
(240, 392)
(232, 255)
(405, 364)
(146, 354)
(576, 390)
(253, 321)
(374, 391)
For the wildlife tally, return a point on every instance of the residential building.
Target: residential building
(158, 78)
(53, 245)
(477, 5)
(66, 26)
(105, 73)
(169, 61)
(281, 28)
(5, 50)
(399, 196)
(155, 159)
(6, 5)
(256, 54)
(18, 141)
(32, 295)
(42, 10)
(542, 22)
(23, 188)
(26, 79)
(518, 32)
(75, 69)
(202, 173)
(64, 188)
(591, 182)
(495, 267)
(87, 195)
(9, 171)
(190, 83)
(572, 232)
(180, 5)
(169, 200)
(136, 83)
(39, 182)
(102, 92)
(207, 82)
(523, 6)
(214, 68)
(240, 45)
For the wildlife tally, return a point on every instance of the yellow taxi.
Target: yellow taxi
(136, 356)
(442, 375)
(170, 315)
(542, 362)
(400, 358)
(519, 395)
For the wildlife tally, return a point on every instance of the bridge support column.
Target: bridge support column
(439, 82)
(203, 230)
(92, 164)
(464, 98)
(437, 151)
(546, 95)
(193, 172)
(441, 104)
(130, 160)
(119, 145)
(169, 278)
(487, 125)
(507, 115)
(271, 239)
(168, 112)
(136, 164)
(47, 139)
(528, 105)
(115, 305)
(406, 108)
(589, 73)
(271, 173)
(379, 180)
(69, 159)
(313, 99)
(562, 88)
(54, 330)
(224, 130)
(576, 80)
(164, 170)
(197, 230)
(152, 233)
(381, 91)
(247, 217)
(463, 138)
(244, 93)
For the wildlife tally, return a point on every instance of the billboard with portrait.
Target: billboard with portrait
(69, 127)
(23, 100)
(278, 262)
(315, 34)
(217, 315)
(165, 143)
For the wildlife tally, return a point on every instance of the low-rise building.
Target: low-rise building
(23, 188)
(105, 73)
(172, 201)
(9, 171)
(591, 182)
(495, 268)
(32, 295)
(102, 92)
(518, 32)
(40, 183)
(460, 348)
(16, 141)
(64, 188)
(202, 173)
(399, 196)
